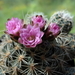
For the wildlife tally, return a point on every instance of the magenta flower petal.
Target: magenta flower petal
(13, 26)
(38, 20)
(54, 28)
(31, 36)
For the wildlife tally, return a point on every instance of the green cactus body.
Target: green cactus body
(63, 19)
(47, 58)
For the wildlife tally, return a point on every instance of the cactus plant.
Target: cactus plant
(33, 48)
(63, 19)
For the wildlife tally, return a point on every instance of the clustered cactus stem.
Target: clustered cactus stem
(37, 46)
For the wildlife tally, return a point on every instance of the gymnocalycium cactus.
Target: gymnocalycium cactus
(33, 48)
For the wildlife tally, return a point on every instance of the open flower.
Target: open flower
(54, 29)
(13, 26)
(31, 36)
(38, 20)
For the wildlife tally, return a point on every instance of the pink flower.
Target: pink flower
(38, 20)
(54, 29)
(30, 36)
(13, 26)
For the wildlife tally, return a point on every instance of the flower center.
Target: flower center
(31, 38)
(13, 27)
(38, 20)
(55, 28)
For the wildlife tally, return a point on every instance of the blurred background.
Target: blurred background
(19, 8)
